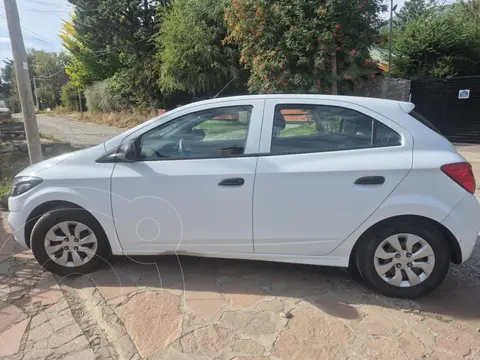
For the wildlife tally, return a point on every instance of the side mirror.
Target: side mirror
(130, 151)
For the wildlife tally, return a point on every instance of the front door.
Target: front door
(191, 186)
(326, 166)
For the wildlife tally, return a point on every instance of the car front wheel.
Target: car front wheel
(67, 241)
(405, 258)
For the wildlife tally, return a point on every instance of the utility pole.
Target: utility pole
(333, 59)
(390, 42)
(80, 107)
(23, 80)
(36, 92)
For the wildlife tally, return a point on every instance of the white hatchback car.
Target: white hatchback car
(324, 180)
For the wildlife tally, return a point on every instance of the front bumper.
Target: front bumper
(16, 222)
(464, 223)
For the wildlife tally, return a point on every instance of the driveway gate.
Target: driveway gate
(454, 112)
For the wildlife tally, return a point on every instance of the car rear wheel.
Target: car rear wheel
(405, 258)
(67, 241)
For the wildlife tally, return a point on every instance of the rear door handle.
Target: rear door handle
(232, 182)
(370, 180)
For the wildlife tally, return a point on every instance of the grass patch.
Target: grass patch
(215, 129)
(49, 138)
(123, 120)
(299, 130)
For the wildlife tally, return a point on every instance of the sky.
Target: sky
(41, 21)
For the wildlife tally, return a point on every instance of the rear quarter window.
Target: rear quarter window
(424, 121)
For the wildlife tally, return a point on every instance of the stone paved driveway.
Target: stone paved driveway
(193, 309)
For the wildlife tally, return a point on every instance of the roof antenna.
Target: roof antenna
(224, 87)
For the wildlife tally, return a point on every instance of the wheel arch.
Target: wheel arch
(45, 207)
(455, 250)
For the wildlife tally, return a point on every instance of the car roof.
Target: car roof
(376, 104)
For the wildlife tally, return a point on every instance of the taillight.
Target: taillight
(462, 174)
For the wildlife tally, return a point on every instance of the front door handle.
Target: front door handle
(370, 180)
(232, 182)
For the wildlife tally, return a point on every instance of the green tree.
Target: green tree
(84, 67)
(69, 96)
(114, 37)
(305, 45)
(412, 10)
(439, 44)
(8, 86)
(49, 69)
(191, 56)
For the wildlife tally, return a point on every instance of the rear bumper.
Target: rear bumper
(464, 223)
(17, 224)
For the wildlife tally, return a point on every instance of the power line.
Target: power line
(49, 4)
(44, 11)
(39, 37)
(49, 76)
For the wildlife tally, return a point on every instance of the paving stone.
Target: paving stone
(152, 319)
(241, 293)
(9, 314)
(275, 305)
(439, 355)
(81, 355)
(61, 320)
(412, 345)
(383, 348)
(5, 265)
(247, 346)
(210, 341)
(78, 344)
(203, 296)
(7, 246)
(312, 334)
(37, 354)
(46, 291)
(170, 354)
(253, 324)
(10, 339)
(455, 347)
(63, 336)
(111, 285)
(377, 325)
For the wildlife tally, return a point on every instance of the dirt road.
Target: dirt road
(77, 133)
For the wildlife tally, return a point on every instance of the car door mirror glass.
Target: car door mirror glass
(128, 151)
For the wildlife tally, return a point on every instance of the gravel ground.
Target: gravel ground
(76, 133)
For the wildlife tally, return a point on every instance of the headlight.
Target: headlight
(22, 184)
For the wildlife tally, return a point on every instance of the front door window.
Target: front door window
(212, 133)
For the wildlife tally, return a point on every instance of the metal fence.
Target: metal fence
(452, 105)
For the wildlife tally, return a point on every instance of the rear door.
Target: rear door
(325, 167)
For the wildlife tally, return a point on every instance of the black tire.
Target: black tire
(371, 240)
(55, 216)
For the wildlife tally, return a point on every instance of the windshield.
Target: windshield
(424, 121)
(3, 104)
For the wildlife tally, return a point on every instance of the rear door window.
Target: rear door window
(317, 128)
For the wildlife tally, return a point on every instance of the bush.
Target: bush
(104, 97)
(13, 103)
(69, 96)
